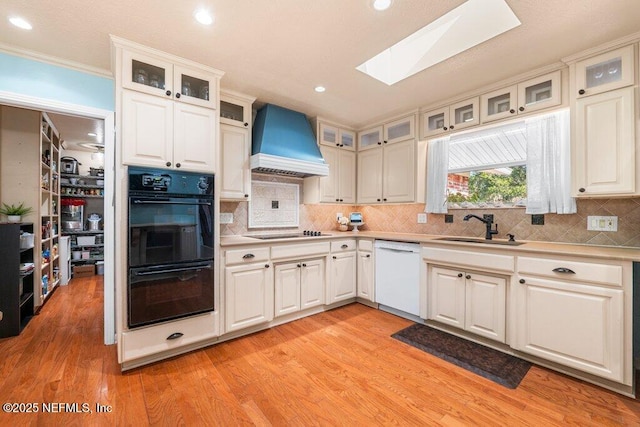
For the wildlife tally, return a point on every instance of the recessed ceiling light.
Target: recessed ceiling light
(20, 23)
(92, 134)
(445, 37)
(203, 16)
(320, 89)
(381, 4)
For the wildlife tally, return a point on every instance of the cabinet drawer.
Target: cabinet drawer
(474, 259)
(343, 245)
(365, 245)
(574, 271)
(246, 256)
(153, 340)
(301, 250)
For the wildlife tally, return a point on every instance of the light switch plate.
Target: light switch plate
(422, 218)
(602, 223)
(339, 215)
(226, 218)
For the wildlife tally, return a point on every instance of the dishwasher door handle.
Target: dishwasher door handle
(399, 250)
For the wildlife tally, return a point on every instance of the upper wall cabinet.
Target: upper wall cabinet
(532, 95)
(166, 109)
(235, 109)
(235, 146)
(155, 76)
(336, 137)
(604, 72)
(454, 117)
(604, 142)
(395, 131)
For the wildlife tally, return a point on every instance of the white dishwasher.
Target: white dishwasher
(397, 276)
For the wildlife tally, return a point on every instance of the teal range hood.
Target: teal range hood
(284, 144)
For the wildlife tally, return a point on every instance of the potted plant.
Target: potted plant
(15, 213)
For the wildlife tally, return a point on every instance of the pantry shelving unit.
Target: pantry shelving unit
(49, 209)
(17, 277)
(89, 188)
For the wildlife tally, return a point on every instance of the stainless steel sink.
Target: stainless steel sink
(478, 240)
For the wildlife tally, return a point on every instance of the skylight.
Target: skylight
(468, 25)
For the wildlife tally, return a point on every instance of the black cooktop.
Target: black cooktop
(305, 233)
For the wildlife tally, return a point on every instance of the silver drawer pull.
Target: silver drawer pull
(563, 270)
(248, 256)
(175, 336)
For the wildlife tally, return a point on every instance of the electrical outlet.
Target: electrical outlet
(602, 223)
(226, 218)
(537, 219)
(422, 218)
(339, 215)
(448, 218)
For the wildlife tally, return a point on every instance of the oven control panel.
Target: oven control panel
(156, 182)
(144, 180)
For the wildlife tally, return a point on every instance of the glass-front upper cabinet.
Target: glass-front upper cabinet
(235, 109)
(454, 117)
(399, 130)
(370, 138)
(148, 74)
(604, 72)
(337, 137)
(195, 87)
(531, 95)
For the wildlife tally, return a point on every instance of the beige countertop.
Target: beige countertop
(549, 248)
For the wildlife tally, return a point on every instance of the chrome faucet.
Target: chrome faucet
(488, 221)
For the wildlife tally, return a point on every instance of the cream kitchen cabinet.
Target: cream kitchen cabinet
(299, 285)
(365, 273)
(458, 116)
(475, 302)
(158, 132)
(387, 174)
(342, 280)
(235, 149)
(531, 95)
(235, 146)
(248, 288)
(402, 129)
(604, 72)
(572, 312)
(337, 187)
(152, 72)
(335, 136)
(236, 109)
(604, 151)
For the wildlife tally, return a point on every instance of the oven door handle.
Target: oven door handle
(168, 202)
(172, 270)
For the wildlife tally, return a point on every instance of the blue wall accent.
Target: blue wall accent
(47, 81)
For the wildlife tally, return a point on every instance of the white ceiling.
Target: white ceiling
(279, 50)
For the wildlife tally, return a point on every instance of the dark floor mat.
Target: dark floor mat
(494, 365)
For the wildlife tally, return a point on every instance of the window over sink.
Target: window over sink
(521, 163)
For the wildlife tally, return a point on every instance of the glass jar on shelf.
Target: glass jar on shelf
(141, 77)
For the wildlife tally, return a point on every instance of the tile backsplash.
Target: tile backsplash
(403, 219)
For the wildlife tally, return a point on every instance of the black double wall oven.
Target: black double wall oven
(171, 241)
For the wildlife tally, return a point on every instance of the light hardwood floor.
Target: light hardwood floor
(336, 368)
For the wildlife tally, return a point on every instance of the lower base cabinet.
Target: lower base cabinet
(576, 325)
(366, 269)
(248, 295)
(342, 283)
(467, 300)
(299, 285)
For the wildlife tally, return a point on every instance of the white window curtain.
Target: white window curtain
(549, 164)
(437, 171)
